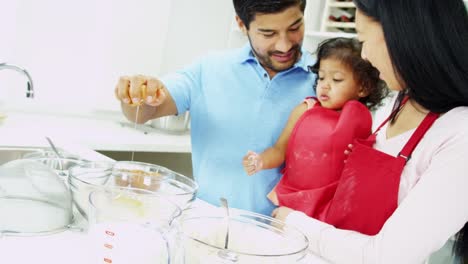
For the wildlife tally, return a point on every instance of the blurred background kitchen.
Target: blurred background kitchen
(76, 50)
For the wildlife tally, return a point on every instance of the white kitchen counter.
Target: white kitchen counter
(97, 130)
(77, 134)
(66, 247)
(72, 247)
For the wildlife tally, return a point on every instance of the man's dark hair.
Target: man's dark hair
(348, 52)
(247, 9)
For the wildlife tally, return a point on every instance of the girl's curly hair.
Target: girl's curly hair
(348, 51)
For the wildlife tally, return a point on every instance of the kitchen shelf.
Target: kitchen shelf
(332, 7)
(328, 34)
(341, 24)
(342, 4)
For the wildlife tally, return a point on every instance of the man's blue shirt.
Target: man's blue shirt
(235, 107)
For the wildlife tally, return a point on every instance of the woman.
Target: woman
(420, 49)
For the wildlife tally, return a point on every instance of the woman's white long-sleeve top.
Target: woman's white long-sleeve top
(433, 201)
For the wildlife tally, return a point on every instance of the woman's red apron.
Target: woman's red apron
(367, 192)
(315, 155)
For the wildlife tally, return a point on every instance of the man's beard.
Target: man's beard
(267, 62)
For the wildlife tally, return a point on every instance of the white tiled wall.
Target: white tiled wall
(75, 50)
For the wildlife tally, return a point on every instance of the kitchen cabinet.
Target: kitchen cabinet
(338, 18)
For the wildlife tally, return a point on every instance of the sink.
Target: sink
(11, 153)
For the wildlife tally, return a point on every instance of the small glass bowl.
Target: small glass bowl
(90, 176)
(179, 188)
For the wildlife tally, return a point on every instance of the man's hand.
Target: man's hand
(139, 89)
(252, 163)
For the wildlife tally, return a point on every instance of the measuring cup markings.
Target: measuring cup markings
(130, 226)
(109, 234)
(109, 246)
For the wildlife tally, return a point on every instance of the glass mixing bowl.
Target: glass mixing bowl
(90, 176)
(85, 178)
(177, 187)
(253, 238)
(33, 199)
(48, 153)
(60, 165)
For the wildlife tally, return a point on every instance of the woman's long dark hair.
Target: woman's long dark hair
(460, 248)
(427, 41)
(428, 45)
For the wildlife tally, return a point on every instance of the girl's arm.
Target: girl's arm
(274, 156)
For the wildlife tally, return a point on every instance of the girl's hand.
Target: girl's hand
(281, 213)
(252, 163)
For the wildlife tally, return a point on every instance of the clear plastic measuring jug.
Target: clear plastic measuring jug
(132, 226)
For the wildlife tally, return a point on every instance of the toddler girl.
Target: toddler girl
(319, 129)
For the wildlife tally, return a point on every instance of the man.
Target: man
(238, 100)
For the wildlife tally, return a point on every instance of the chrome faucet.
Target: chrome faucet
(30, 88)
